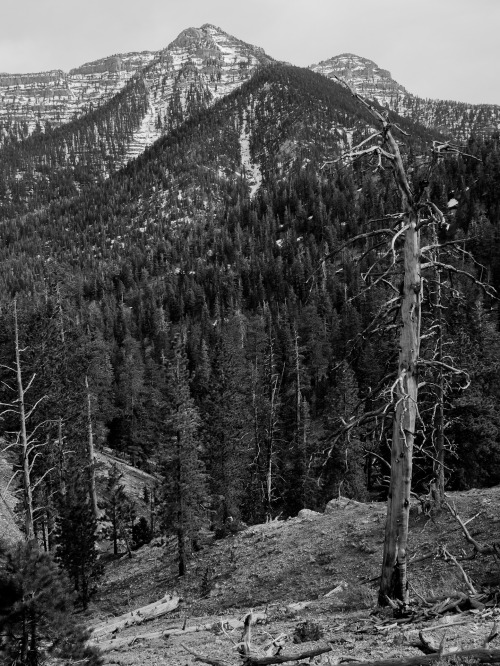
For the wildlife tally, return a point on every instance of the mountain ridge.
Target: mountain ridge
(54, 96)
(458, 120)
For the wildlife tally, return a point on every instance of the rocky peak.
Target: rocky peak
(455, 119)
(363, 74)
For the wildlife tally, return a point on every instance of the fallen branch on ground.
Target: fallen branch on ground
(283, 658)
(482, 548)
(205, 660)
(481, 655)
(448, 556)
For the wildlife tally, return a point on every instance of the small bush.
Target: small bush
(141, 533)
(307, 631)
(357, 597)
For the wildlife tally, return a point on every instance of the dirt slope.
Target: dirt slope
(9, 531)
(274, 565)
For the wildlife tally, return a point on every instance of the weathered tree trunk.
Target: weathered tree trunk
(27, 487)
(181, 527)
(393, 582)
(439, 418)
(90, 452)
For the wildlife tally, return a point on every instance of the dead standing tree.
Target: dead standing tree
(25, 442)
(417, 213)
(384, 147)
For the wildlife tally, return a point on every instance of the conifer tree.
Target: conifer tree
(184, 498)
(225, 416)
(118, 509)
(77, 539)
(37, 605)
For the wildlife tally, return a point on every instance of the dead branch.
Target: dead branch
(482, 655)
(246, 638)
(432, 263)
(492, 635)
(205, 660)
(483, 549)
(283, 658)
(428, 646)
(447, 555)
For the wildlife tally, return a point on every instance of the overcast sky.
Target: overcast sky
(447, 49)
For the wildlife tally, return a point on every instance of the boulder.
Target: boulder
(340, 503)
(307, 514)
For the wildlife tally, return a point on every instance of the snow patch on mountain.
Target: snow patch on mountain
(250, 170)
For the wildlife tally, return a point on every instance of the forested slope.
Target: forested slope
(195, 302)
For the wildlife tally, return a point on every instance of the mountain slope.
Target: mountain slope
(455, 119)
(57, 97)
(157, 94)
(205, 58)
(230, 233)
(284, 121)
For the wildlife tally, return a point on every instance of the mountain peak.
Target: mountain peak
(363, 74)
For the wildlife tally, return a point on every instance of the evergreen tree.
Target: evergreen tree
(36, 618)
(76, 539)
(184, 498)
(118, 509)
(225, 416)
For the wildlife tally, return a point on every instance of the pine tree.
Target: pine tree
(184, 498)
(118, 509)
(76, 539)
(226, 416)
(37, 604)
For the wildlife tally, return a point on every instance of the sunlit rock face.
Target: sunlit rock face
(456, 119)
(198, 67)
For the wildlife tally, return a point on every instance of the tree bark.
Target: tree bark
(481, 655)
(27, 487)
(439, 419)
(394, 582)
(91, 455)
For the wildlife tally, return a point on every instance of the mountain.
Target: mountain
(457, 120)
(228, 240)
(57, 97)
(204, 59)
(123, 104)
(258, 134)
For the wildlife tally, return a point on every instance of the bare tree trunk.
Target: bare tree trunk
(27, 487)
(439, 418)
(90, 452)
(181, 528)
(394, 575)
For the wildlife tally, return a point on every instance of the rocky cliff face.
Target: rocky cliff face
(200, 66)
(197, 68)
(456, 119)
(364, 75)
(57, 97)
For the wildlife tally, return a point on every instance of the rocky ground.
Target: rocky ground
(319, 569)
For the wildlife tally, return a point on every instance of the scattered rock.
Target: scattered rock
(307, 514)
(298, 606)
(340, 503)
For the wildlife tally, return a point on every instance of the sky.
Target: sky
(445, 49)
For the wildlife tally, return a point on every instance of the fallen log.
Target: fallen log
(135, 617)
(250, 660)
(128, 641)
(481, 655)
